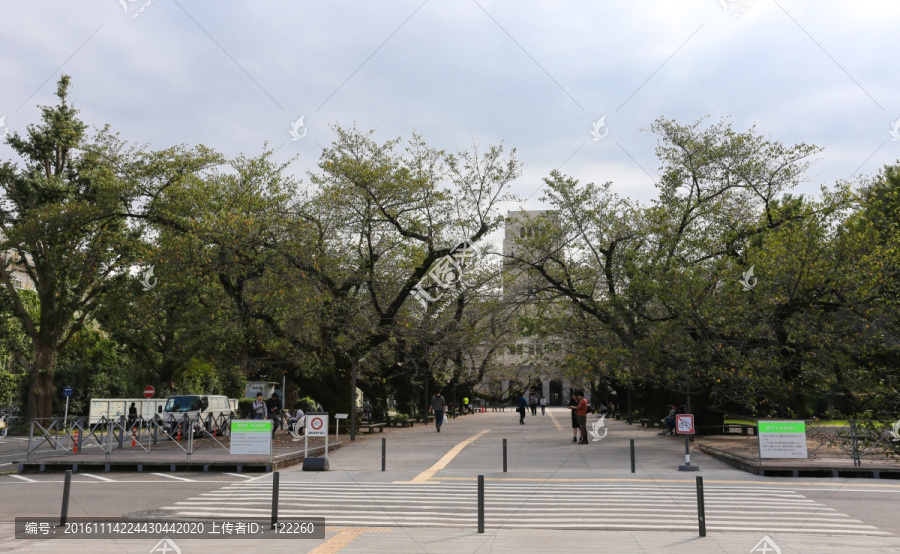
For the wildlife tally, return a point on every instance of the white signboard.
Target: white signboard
(782, 439)
(684, 424)
(266, 388)
(251, 436)
(317, 425)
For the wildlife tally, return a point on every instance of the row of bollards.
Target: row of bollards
(384, 455)
(701, 510)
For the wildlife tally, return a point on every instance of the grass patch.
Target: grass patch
(740, 421)
(821, 422)
(833, 422)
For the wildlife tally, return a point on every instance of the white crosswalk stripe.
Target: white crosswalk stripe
(514, 505)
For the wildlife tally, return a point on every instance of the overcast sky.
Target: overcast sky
(536, 75)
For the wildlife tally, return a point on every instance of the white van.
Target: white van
(193, 404)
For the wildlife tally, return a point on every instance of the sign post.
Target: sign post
(337, 424)
(781, 439)
(149, 391)
(316, 426)
(684, 425)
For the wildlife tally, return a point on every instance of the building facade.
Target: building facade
(528, 363)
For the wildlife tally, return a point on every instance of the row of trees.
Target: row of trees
(728, 287)
(259, 275)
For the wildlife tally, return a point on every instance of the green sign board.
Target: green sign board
(781, 426)
(782, 439)
(251, 436)
(254, 426)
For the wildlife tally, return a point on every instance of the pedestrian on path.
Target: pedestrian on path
(573, 403)
(259, 407)
(543, 405)
(532, 401)
(273, 408)
(523, 405)
(438, 405)
(580, 410)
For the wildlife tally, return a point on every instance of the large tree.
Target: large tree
(60, 214)
(73, 214)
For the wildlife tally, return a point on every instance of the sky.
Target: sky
(538, 76)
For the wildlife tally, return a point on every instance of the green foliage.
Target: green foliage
(259, 277)
(12, 387)
(307, 404)
(95, 367)
(200, 377)
(245, 407)
(653, 295)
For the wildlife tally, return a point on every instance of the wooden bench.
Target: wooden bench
(726, 428)
(651, 423)
(406, 422)
(372, 426)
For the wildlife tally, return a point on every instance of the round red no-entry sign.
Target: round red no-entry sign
(149, 391)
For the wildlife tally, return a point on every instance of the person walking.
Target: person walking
(273, 407)
(543, 405)
(533, 403)
(523, 406)
(573, 404)
(438, 406)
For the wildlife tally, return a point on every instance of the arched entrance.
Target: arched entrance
(556, 390)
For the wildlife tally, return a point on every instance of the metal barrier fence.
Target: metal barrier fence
(111, 434)
(857, 439)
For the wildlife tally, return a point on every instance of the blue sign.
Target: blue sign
(67, 391)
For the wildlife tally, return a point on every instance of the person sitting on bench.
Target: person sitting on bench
(298, 415)
(669, 420)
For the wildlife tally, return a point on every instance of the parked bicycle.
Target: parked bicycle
(7, 413)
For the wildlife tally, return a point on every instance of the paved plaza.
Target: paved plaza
(555, 496)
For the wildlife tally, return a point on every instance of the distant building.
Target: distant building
(529, 363)
(19, 277)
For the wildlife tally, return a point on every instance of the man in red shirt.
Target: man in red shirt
(581, 410)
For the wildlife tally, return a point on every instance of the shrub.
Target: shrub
(307, 404)
(245, 407)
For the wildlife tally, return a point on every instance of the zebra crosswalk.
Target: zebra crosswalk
(517, 505)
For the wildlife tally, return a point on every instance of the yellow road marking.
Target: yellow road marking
(445, 459)
(345, 536)
(555, 422)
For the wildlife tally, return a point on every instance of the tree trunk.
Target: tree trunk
(40, 395)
